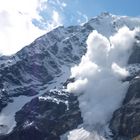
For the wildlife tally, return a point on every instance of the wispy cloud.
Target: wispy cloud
(82, 18)
(22, 21)
(55, 21)
(64, 4)
(59, 3)
(17, 28)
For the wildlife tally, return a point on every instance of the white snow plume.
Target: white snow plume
(83, 134)
(99, 76)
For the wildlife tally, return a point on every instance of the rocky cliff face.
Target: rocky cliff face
(45, 64)
(125, 123)
(46, 117)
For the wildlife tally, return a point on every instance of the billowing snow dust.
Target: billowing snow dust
(98, 78)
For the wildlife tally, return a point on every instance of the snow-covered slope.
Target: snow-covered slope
(108, 24)
(49, 55)
(45, 64)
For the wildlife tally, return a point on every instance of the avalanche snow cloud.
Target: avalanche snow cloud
(98, 78)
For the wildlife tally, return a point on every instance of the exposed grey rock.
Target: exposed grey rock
(46, 117)
(125, 123)
(39, 63)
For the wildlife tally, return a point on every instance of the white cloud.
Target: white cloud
(64, 4)
(16, 26)
(56, 18)
(82, 18)
(27, 7)
(98, 77)
(61, 4)
(55, 21)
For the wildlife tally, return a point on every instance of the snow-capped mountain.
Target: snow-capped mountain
(27, 77)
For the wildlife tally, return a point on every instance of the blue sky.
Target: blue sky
(22, 21)
(77, 11)
(122, 7)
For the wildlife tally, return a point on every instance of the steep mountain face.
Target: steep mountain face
(47, 116)
(45, 64)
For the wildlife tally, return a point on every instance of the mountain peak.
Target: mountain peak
(105, 14)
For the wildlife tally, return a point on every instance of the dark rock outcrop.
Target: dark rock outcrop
(4, 99)
(126, 120)
(135, 56)
(46, 117)
(125, 123)
(38, 64)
